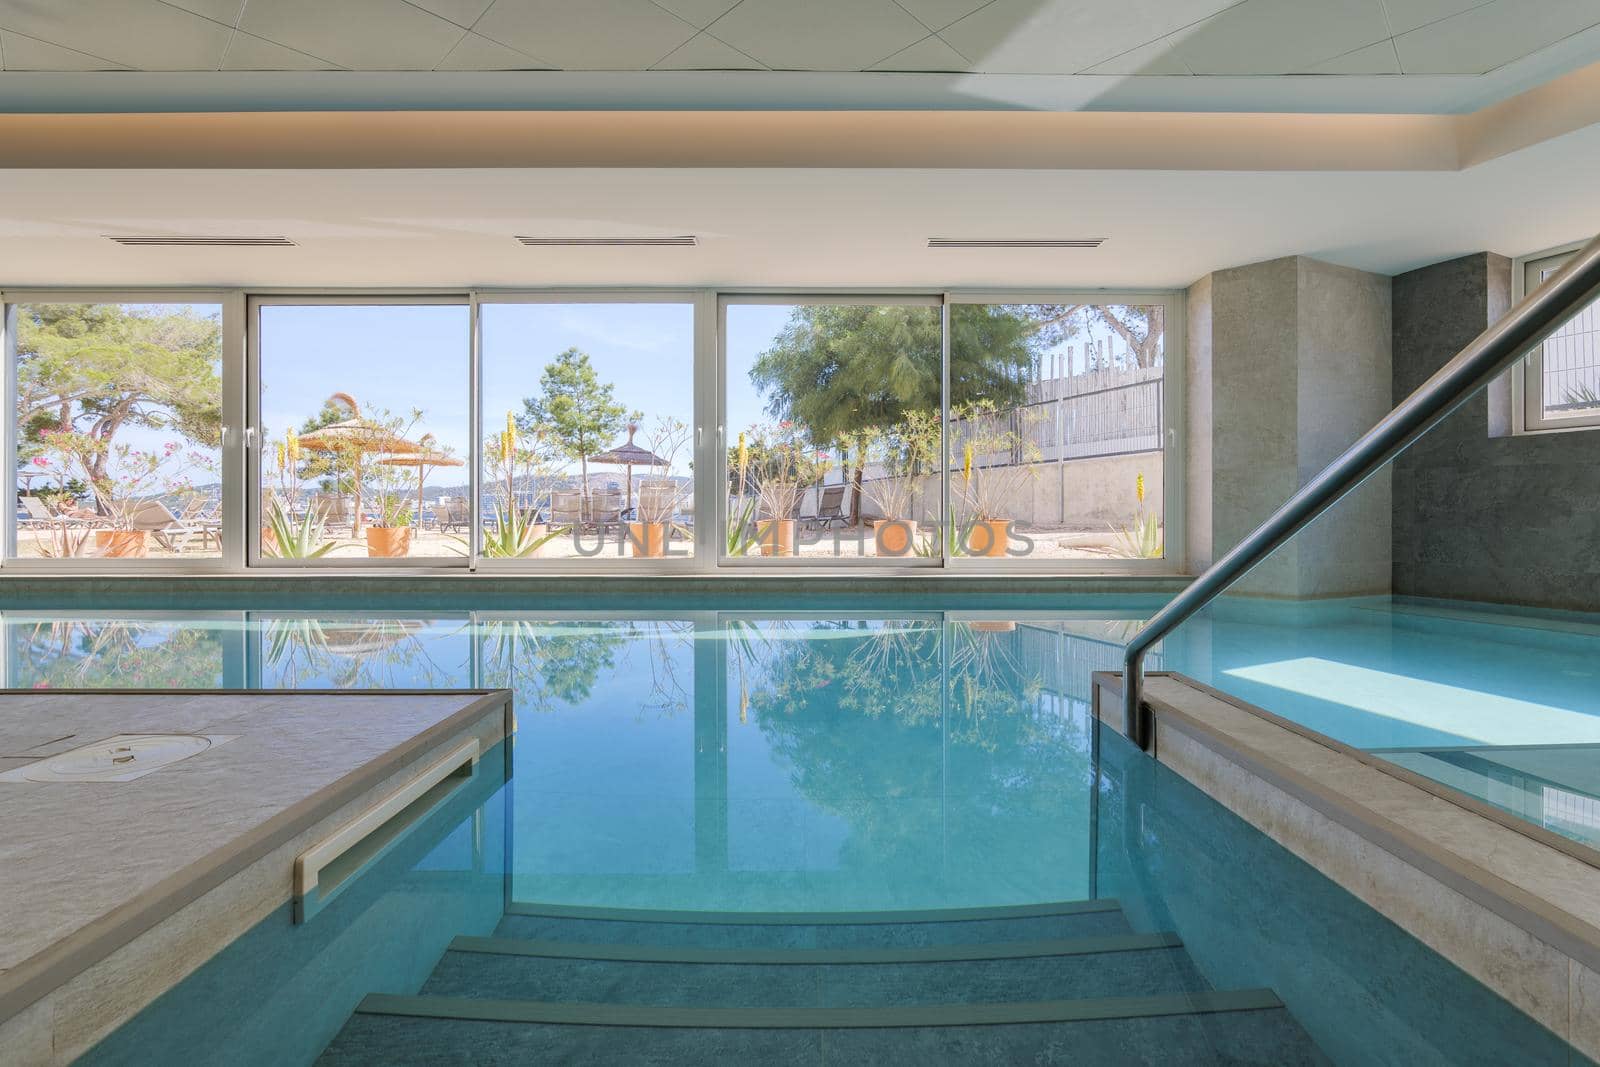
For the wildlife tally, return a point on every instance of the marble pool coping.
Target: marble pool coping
(1508, 906)
(432, 717)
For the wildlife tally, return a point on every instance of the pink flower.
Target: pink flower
(40, 461)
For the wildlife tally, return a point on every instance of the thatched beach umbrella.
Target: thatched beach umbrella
(355, 437)
(425, 460)
(629, 455)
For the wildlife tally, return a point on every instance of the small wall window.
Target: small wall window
(1561, 378)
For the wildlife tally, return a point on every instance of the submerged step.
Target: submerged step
(807, 930)
(1241, 1027)
(623, 975)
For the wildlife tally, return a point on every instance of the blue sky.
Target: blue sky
(403, 356)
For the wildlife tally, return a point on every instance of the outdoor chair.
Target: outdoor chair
(605, 509)
(566, 508)
(451, 515)
(170, 531)
(333, 509)
(830, 508)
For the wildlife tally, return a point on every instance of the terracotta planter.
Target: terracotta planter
(388, 542)
(536, 532)
(894, 537)
(123, 544)
(776, 536)
(649, 539)
(269, 542)
(993, 626)
(987, 538)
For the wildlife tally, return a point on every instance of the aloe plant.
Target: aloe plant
(928, 546)
(740, 538)
(514, 536)
(295, 540)
(1141, 539)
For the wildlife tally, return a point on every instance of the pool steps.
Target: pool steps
(999, 984)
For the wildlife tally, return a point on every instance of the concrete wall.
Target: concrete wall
(1480, 514)
(1100, 493)
(1289, 362)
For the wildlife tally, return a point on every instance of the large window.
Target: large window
(365, 434)
(834, 431)
(1057, 431)
(117, 431)
(1561, 383)
(613, 430)
(588, 424)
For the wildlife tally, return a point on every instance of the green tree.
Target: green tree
(839, 370)
(94, 369)
(576, 407)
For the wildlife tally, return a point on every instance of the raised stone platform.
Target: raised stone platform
(115, 890)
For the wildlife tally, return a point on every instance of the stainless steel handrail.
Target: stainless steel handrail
(1473, 368)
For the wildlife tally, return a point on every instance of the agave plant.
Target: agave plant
(741, 538)
(1140, 539)
(293, 539)
(515, 536)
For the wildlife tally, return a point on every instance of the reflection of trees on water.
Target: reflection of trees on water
(368, 653)
(127, 653)
(551, 664)
(865, 716)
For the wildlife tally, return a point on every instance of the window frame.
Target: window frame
(598, 566)
(1527, 384)
(1174, 469)
(255, 436)
(230, 304)
(902, 565)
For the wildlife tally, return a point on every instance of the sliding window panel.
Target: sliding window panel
(116, 431)
(588, 431)
(833, 431)
(1060, 432)
(364, 438)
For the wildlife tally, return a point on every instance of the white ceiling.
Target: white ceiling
(813, 228)
(1056, 37)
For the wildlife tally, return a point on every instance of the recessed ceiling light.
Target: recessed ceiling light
(684, 241)
(1016, 242)
(199, 240)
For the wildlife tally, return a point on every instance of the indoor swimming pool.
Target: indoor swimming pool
(871, 754)
(738, 810)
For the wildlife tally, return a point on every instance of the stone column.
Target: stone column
(1288, 361)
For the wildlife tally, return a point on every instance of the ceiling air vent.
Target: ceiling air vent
(685, 241)
(1016, 242)
(139, 240)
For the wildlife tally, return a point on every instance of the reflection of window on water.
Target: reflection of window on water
(300, 652)
(102, 653)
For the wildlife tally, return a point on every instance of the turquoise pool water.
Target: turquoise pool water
(864, 755)
(857, 757)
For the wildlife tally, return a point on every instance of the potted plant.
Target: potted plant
(390, 536)
(136, 479)
(997, 464)
(659, 498)
(784, 468)
(903, 455)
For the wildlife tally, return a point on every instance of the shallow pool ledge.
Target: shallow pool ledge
(1517, 911)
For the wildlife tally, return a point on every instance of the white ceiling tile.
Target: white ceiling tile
(1377, 58)
(460, 12)
(819, 34)
(1065, 36)
(248, 52)
(700, 12)
(1279, 36)
(480, 53)
(930, 54)
(143, 34)
(1407, 15)
(216, 10)
(1487, 37)
(705, 52)
(359, 34)
(593, 35)
(27, 53)
(937, 14)
(1155, 58)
